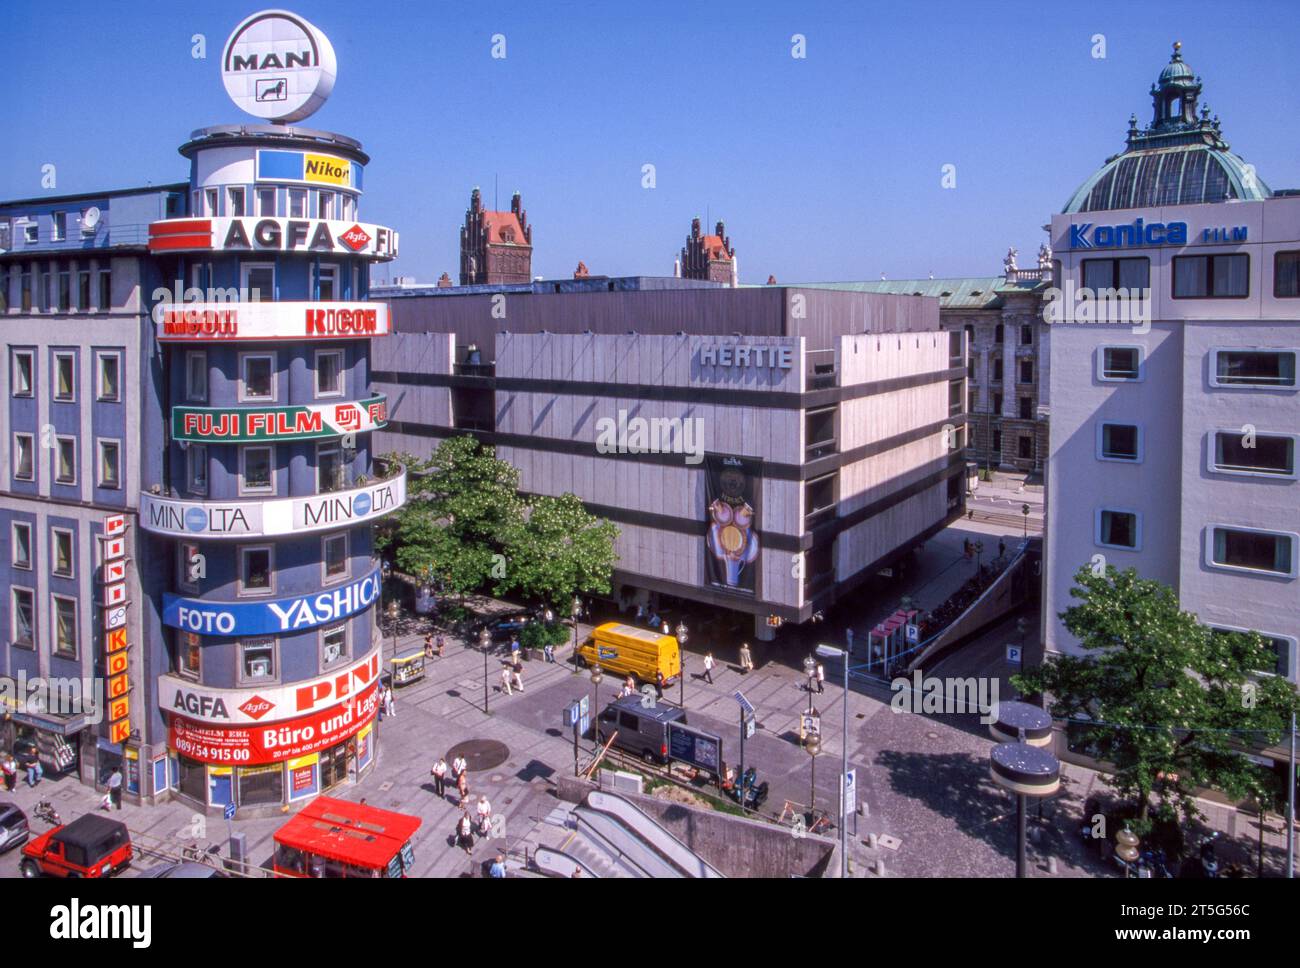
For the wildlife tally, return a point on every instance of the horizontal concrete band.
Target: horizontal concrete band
(774, 470)
(723, 396)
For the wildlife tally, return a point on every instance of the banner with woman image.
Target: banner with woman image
(731, 544)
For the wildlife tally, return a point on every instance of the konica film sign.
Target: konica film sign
(255, 519)
(278, 66)
(1142, 234)
(274, 617)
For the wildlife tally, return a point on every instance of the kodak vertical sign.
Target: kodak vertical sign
(112, 555)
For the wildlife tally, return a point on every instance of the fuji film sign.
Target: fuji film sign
(278, 66)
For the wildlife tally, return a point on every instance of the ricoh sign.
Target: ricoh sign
(219, 322)
(254, 519)
(1140, 234)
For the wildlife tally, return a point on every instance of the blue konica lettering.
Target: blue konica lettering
(1127, 236)
(296, 613)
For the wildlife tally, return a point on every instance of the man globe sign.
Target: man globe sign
(278, 66)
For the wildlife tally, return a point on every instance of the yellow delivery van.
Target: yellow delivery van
(627, 649)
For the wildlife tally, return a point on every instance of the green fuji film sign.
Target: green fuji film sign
(242, 425)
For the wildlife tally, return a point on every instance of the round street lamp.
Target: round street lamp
(1027, 771)
(485, 643)
(681, 662)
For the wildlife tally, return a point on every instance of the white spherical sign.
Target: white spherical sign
(278, 66)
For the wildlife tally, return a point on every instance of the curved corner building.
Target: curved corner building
(260, 528)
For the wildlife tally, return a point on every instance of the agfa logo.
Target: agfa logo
(256, 707)
(355, 238)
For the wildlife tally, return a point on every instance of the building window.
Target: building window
(1026, 371)
(105, 290)
(1119, 528)
(297, 203)
(970, 401)
(327, 283)
(1252, 549)
(196, 468)
(65, 626)
(212, 197)
(188, 654)
(23, 380)
(65, 460)
(110, 464)
(1121, 364)
(196, 376)
(108, 377)
(325, 205)
(236, 203)
(257, 660)
(61, 552)
(329, 373)
(255, 574)
(20, 537)
(345, 205)
(334, 555)
(25, 291)
(997, 334)
(65, 290)
(997, 403)
(329, 468)
(1282, 647)
(970, 368)
(255, 470)
(24, 457)
(333, 646)
(1133, 276)
(997, 369)
(1286, 275)
(1121, 442)
(4, 275)
(257, 377)
(1025, 408)
(83, 290)
(997, 442)
(30, 233)
(266, 202)
(1026, 447)
(1267, 455)
(188, 565)
(65, 377)
(258, 281)
(60, 231)
(23, 610)
(1026, 336)
(261, 784)
(1211, 276)
(42, 290)
(1253, 368)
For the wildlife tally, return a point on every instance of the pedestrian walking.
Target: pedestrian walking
(708, 667)
(439, 772)
(514, 649)
(458, 768)
(640, 614)
(746, 659)
(548, 652)
(115, 788)
(659, 685)
(821, 678)
(484, 811)
(505, 680)
(498, 868)
(462, 788)
(442, 645)
(517, 677)
(10, 768)
(390, 707)
(465, 832)
(31, 762)
(428, 645)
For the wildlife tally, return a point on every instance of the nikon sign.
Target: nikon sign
(277, 66)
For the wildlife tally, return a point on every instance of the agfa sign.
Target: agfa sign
(278, 66)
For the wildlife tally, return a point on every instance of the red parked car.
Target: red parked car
(90, 846)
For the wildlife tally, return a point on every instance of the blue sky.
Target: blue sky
(824, 168)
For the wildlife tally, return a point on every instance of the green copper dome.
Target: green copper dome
(1178, 159)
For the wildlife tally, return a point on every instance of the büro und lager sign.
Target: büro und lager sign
(278, 66)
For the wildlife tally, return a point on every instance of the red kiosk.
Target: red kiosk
(338, 838)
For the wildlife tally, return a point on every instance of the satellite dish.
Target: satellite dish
(89, 219)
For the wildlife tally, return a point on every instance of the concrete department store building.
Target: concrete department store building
(830, 424)
(1174, 448)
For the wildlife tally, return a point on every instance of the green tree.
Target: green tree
(1172, 704)
(558, 550)
(460, 505)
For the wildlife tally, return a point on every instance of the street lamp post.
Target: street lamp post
(830, 652)
(485, 642)
(809, 671)
(1021, 764)
(814, 746)
(596, 676)
(576, 612)
(682, 635)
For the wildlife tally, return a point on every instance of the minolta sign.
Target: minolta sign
(1142, 234)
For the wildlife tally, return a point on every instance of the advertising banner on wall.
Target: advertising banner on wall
(250, 234)
(252, 519)
(731, 545)
(240, 425)
(206, 322)
(199, 703)
(274, 616)
(275, 742)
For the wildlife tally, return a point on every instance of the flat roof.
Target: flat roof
(351, 833)
(183, 186)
